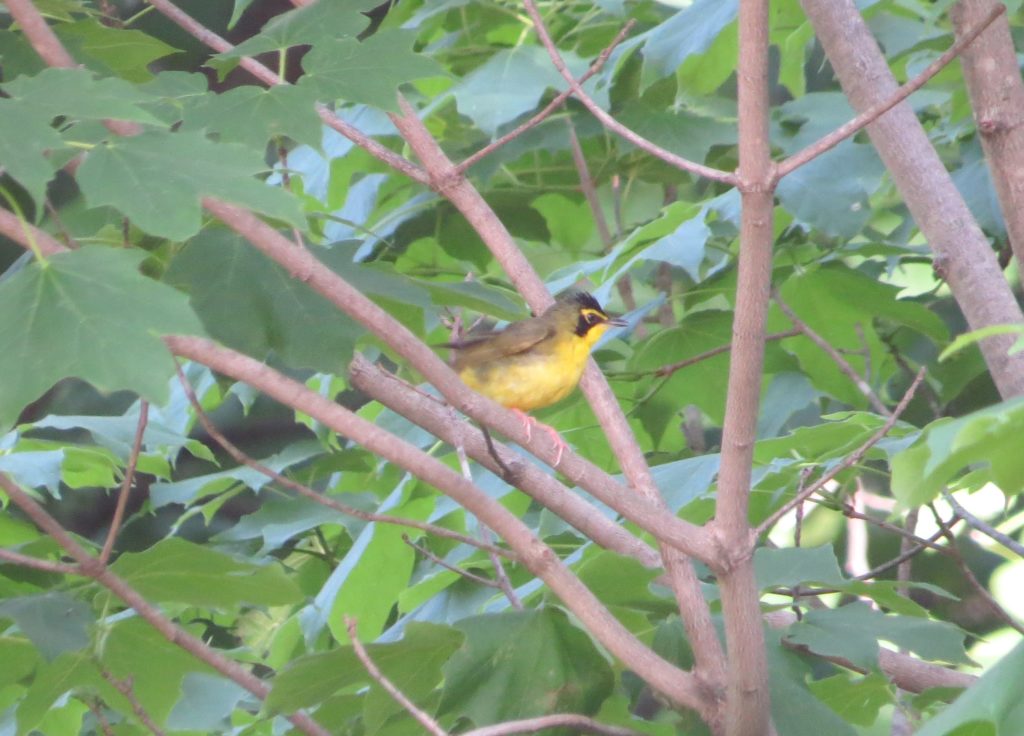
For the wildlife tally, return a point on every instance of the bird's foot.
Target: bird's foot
(528, 422)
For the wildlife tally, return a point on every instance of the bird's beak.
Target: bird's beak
(617, 322)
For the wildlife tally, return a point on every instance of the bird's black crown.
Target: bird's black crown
(583, 300)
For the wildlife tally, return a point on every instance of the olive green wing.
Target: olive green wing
(517, 338)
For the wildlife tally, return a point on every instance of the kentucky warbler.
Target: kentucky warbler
(536, 362)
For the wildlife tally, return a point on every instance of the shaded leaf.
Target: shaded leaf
(853, 631)
(83, 313)
(25, 140)
(522, 664)
(55, 622)
(158, 179)
(986, 441)
(252, 116)
(511, 83)
(690, 31)
(180, 571)
(994, 699)
(793, 566)
(413, 663)
(314, 22)
(78, 94)
(369, 72)
(256, 307)
(124, 52)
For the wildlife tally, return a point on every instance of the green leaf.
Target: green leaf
(55, 622)
(857, 699)
(796, 565)
(123, 52)
(510, 84)
(20, 658)
(683, 132)
(180, 571)
(91, 314)
(158, 179)
(252, 116)
(975, 336)
(258, 308)
(853, 631)
(156, 667)
(413, 663)
(994, 699)
(523, 664)
(312, 24)
(985, 440)
(188, 490)
(369, 71)
(836, 205)
(848, 308)
(206, 704)
(795, 710)
(688, 32)
(78, 94)
(279, 519)
(367, 581)
(25, 140)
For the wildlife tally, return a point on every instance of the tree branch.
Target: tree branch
(847, 462)
(428, 723)
(611, 123)
(748, 703)
(425, 411)
(555, 103)
(91, 567)
(306, 492)
(844, 365)
(126, 483)
(679, 686)
(864, 119)
(963, 256)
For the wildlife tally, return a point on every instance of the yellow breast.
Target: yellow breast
(534, 379)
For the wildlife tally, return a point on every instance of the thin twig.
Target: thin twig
(241, 457)
(847, 462)
(501, 577)
(555, 103)
(16, 558)
(849, 511)
(126, 483)
(90, 566)
(668, 370)
(125, 688)
(587, 186)
(610, 122)
(574, 721)
(867, 117)
(95, 706)
(982, 526)
(910, 552)
(213, 41)
(266, 75)
(380, 152)
(422, 717)
(479, 579)
(837, 358)
(903, 571)
(969, 576)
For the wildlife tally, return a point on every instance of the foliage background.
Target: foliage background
(267, 577)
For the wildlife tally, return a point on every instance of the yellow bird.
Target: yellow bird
(536, 362)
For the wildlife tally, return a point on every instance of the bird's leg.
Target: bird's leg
(556, 438)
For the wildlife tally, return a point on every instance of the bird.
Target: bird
(535, 362)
